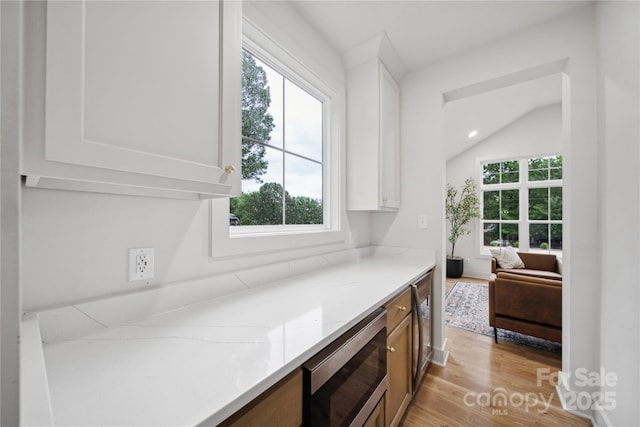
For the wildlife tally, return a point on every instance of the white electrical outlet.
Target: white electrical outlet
(141, 263)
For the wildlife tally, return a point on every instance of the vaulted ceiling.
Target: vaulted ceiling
(424, 32)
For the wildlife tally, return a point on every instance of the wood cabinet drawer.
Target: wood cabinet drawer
(397, 309)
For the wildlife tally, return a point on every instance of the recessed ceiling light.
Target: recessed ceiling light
(472, 133)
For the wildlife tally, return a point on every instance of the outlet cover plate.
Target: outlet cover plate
(141, 263)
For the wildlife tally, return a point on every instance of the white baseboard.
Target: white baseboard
(476, 274)
(440, 355)
(602, 419)
(563, 391)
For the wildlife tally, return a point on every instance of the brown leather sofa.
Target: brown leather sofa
(527, 300)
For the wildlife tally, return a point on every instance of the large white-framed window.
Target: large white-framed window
(283, 149)
(317, 87)
(522, 204)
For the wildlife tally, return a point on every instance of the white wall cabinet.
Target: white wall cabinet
(141, 98)
(373, 102)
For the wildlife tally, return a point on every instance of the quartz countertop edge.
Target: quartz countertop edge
(199, 364)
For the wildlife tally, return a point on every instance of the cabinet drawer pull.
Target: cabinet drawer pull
(391, 349)
(401, 307)
(229, 168)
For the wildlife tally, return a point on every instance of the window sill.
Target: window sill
(242, 232)
(229, 243)
(557, 253)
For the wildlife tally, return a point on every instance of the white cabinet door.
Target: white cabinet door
(137, 87)
(372, 139)
(389, 141)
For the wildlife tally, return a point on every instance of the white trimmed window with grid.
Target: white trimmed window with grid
(283, 150)
(522, 204)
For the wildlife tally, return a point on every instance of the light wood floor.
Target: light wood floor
(478, 370)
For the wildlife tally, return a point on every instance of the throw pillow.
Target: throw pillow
(507, 257)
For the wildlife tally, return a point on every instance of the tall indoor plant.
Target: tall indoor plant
(460, 207)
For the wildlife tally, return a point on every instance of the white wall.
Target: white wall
(619, 117)
(10, 181)
(537, 133)
(75, 245)
(423, 164)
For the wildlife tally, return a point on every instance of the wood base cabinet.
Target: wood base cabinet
(399, 351)
(281, 406)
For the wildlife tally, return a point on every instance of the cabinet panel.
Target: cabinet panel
(389, 141)
(398, 372)
(281, 406)
(149, 88)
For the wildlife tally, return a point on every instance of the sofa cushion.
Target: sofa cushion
(507, 257)
(531, 273)
(538, 261)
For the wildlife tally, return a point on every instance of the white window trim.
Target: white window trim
(523, 186)
(228, 241)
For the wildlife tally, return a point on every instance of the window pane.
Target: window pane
(510, 205)
(556, 236)
(273, 99)
(555, 162)
(491, 173)
(304, 191)
(509, 234)
(265, 205)
(491, 205)
(539, 236)
(273, 172)
(303, 118)
(511, 171)
(545, 168)
(538, 169)
(555, 203)
(261, 203)
(538, 203)
(538, 174)
(491, 233)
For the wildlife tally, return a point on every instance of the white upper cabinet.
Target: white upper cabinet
(372, 139)
(141, 97)
(373, 130)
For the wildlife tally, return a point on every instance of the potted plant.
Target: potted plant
(460, 208)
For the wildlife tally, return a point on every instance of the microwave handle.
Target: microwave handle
(416, 313)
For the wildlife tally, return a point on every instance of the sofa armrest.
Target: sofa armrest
(492, 299)
(494, 265)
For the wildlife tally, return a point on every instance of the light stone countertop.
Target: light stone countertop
(201, 363)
